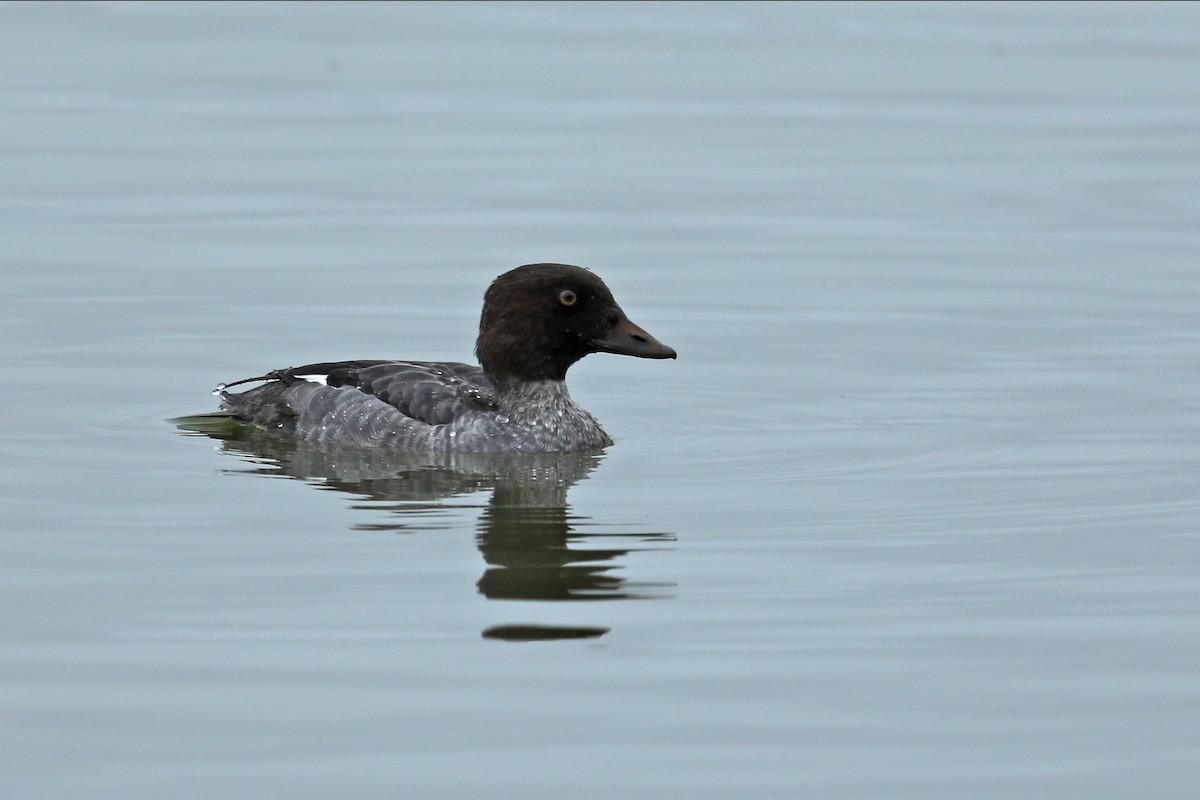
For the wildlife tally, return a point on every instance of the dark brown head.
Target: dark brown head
(540, 319)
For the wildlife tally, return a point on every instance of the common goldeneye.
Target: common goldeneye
(537, 321)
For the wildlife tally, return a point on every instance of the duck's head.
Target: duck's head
(540, 319)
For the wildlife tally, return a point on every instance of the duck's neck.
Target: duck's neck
(537, 397)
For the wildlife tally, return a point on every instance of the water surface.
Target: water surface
(913, 515)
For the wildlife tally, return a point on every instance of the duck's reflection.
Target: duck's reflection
(530, 557)
(535, 548)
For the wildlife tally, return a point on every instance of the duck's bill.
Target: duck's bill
(628, 339)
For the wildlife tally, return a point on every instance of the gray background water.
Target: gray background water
(915, 513)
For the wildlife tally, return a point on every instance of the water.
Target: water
(913, 515)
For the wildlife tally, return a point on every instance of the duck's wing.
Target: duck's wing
(434, 392)
(429, 392)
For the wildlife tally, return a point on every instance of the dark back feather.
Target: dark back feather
(433, 392)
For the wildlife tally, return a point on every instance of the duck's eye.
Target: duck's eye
(567, 297)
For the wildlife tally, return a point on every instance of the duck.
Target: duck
(537, 321)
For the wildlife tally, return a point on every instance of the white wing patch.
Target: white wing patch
(319, 378)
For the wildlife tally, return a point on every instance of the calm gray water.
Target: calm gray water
(916, 514)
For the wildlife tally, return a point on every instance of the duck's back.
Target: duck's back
(379, 403)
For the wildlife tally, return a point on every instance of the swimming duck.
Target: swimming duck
(537, 321)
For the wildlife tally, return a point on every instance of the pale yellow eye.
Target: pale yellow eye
(567, 297)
